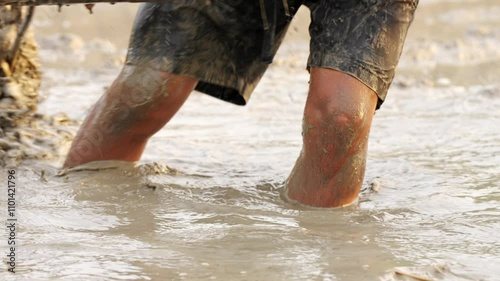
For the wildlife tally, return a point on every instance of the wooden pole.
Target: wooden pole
(67, 2)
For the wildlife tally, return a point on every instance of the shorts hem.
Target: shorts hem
(237, 93)
(355, 69)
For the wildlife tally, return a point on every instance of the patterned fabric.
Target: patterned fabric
(363, 38)
(220, 42)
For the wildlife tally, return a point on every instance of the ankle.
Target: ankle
(315, 188)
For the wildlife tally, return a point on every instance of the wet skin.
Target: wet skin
(337, 119)
(136, 106)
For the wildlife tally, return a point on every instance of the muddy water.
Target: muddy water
(217, 212)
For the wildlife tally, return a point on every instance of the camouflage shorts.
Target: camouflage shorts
(223, 42)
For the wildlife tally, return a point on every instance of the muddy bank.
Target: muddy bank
(19, 65)
(24, 134)
(36, 136)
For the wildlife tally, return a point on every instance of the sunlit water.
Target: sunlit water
(434, 154)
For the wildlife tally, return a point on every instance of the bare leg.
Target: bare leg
(138, 104)
(337, 119)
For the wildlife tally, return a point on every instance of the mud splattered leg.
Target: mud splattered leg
(137, 105)
(337, 119)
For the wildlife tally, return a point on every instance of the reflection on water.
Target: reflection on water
(434, 154)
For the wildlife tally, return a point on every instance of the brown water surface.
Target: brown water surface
(217, 214)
